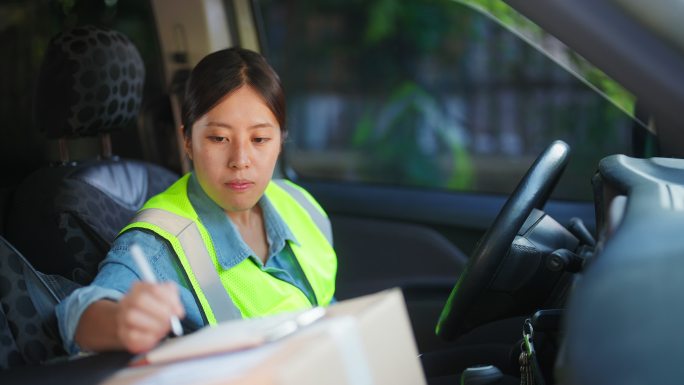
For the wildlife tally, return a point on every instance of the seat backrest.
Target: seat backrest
(64, 217)
(28, 326)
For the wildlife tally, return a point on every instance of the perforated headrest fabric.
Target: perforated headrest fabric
(90, 82)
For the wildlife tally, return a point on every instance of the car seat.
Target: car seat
(65, 216)
(28, 326)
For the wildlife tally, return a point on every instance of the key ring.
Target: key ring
(528, 330)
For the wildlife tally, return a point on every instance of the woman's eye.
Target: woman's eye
(261, 140)
(217, 139)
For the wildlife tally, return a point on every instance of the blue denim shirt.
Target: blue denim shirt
(117, 272)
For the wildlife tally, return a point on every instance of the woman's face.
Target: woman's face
(234, 148)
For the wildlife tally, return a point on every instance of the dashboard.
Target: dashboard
(625, 314)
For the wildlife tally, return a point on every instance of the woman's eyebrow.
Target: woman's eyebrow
(226, 125)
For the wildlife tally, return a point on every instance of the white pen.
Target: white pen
(148, 276)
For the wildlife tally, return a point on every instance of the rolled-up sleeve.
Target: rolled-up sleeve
(70, 310)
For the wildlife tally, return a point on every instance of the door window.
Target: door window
(431, 94)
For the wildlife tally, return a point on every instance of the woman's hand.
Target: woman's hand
(144, 314)
(136, 323)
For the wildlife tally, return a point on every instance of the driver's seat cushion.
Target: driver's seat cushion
(28, 326)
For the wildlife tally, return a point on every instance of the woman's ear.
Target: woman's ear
(187, 141)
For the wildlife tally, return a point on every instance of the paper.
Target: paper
(217, 369)
(229, 336)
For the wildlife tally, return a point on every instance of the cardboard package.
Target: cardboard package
(362, 341)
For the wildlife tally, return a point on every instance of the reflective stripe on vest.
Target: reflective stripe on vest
(321, 221)
(200, 261)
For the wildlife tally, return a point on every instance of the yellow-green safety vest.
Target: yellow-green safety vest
(245, 290)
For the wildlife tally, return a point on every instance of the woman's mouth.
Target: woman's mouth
(239, 185)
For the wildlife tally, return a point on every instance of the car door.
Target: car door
(411, 122)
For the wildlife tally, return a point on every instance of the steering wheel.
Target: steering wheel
(532, 192)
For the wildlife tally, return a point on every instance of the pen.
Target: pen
(148, 276)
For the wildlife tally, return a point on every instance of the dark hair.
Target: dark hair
(223, 72)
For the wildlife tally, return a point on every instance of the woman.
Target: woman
(228, 241)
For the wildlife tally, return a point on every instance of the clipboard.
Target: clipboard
(229, 336)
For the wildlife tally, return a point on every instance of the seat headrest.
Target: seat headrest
(90, 82)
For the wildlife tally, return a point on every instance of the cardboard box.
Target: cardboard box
(362, 341)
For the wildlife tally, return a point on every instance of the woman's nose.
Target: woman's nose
(239, 156)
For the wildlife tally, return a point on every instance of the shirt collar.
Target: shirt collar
(228, 244)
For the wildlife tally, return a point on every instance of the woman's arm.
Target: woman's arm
(136, 323)
(115, 310)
